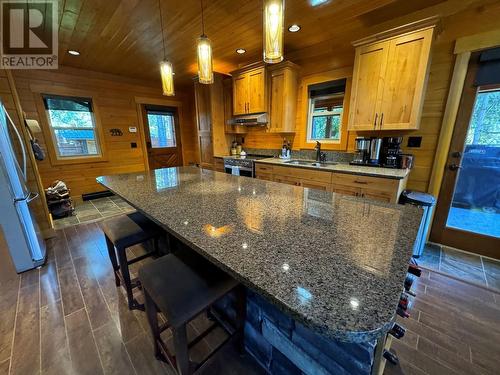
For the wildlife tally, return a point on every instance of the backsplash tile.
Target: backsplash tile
(337, 156)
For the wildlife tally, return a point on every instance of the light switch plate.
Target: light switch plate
(132, 129)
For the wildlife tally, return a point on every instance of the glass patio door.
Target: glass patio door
(468, 212)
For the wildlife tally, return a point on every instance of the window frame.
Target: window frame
(311, 115)
(172, 113)
(49, 134)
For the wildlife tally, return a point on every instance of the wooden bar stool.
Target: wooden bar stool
(181, 287)
(125, 231)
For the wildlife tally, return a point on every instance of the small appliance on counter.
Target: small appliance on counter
(375, 147)
(381, 152)
(391, 151)
(367, 151)
(362, 153)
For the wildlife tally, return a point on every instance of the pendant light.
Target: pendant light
(166, 70)
(274, 19)
(205, 72)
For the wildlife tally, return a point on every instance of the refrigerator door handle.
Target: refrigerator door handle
(28, 198)
(21, 142)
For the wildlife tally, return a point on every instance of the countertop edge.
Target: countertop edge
(332, 169)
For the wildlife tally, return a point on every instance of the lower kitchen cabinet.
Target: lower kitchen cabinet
(219, 164)
(376, 188)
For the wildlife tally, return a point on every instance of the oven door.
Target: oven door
(238, 171)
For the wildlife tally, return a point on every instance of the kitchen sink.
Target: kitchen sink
(311, 163)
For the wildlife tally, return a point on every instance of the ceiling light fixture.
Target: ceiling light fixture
(294, 28)
(205, 69)
(166, 69)
(274, 15)
(73, 52)
(241, 51)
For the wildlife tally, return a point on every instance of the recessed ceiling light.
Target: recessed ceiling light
(73, 52)
(294, 28)
(241, 51)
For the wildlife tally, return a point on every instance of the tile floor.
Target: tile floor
(462, 265)
(94, 210)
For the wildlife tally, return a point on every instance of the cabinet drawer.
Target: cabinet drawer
(316, 185)
(287, 180)
(303, 173)
(264, 176)
(346, 190)
(375, 183)
(383, 196)
(263, 168)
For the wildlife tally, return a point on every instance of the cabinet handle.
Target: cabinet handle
(375, 122)
(381, 120)
(360, 182)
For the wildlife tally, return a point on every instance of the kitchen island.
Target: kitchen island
(320, 266)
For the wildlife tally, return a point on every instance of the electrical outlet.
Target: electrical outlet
(414, 142)
(133, 145)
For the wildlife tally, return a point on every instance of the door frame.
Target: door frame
(140, 103)
(440, 233)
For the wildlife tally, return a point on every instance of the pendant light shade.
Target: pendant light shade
(204, 49)
(167, 78)
(274, 19)
(166, 70)
(205, 72)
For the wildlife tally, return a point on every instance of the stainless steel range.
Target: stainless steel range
(242, 165)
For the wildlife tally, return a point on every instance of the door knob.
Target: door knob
(454, 167)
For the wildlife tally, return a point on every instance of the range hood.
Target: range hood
(256, 119)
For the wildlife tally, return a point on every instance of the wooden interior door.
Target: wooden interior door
(460, 221)
(405, 79)
(204, 125)
(369, 67)
(257, 90)
(162, 135)
(240, 94)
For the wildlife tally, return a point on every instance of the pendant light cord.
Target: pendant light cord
(202, 20)
(162, 35)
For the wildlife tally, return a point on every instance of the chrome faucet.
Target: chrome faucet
(318, 151)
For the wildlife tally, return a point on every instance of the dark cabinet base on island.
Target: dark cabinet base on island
(282, 345)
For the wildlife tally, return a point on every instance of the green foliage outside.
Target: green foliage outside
(326, 127)
(484, 127)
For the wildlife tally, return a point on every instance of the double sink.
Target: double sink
(310, 163)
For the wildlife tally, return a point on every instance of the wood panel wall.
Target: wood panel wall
(115, 97)
(458, 19)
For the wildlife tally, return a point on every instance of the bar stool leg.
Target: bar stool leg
(152, 315)
(181, 349)
(122, 258)
(112, 258)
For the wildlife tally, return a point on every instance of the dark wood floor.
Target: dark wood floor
(69, 318)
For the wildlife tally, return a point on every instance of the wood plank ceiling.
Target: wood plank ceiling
(124, 37)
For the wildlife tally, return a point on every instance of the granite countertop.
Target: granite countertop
(333, 262)
(344, 168)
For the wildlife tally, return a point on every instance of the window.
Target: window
(161, 127)
(326, 104)
(72, 126)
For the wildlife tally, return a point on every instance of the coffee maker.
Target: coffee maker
(362, 154)
(391, 151)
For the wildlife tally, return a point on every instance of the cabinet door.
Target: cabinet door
(405, 81)
(257, 91)
(203, 118)
(346, 190)
(240, 94)
(265, 176)
(377, 195)
(277, 101)
(316, 185)
(368, 76)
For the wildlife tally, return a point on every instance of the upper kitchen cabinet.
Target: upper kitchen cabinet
(249, 90)
(283, 101)
(389, 79)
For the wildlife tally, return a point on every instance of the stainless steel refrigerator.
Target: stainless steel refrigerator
(20, 229)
